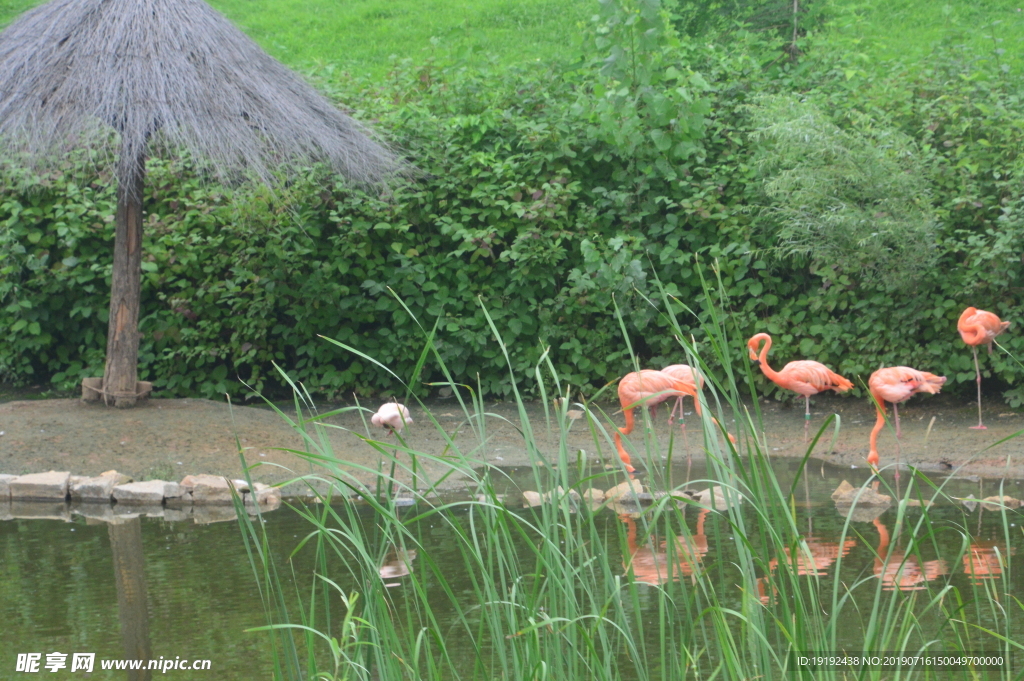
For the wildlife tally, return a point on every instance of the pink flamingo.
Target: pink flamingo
(979, 327)
(896, 384)
(649, 387)
(692, 378)
(805, 377)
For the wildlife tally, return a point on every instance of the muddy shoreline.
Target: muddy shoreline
(171, 438)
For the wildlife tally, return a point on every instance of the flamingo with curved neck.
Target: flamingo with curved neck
(649, 387)
(804, 377)
(979, 327)
(896, 384)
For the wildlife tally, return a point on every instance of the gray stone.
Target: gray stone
(49, 486)
(531, 499)
(559, 493)
(92, 389)
(629, 488)
(152, 492)
(678, 497)
(268, 498)
(625, 506)
(843, 491)
(848, 494)
(5, 487)
(183, 501)
(714, 498)
(5, 509)
(99, 489)
(207, 489)
(271, 501)
(997, 503)
(489, 498)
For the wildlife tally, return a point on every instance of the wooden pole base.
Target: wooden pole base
(92, 390)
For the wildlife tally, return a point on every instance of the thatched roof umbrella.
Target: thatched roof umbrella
(165, 75)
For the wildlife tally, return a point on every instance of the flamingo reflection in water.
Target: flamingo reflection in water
(818, 558)
(815, 561)
(652, 564)
(985, 559)
(899, 570)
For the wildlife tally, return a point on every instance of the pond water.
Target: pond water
(179, 589)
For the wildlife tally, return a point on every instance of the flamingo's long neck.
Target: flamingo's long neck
(623, 454)
(762, 360)
(879, 424)
(974, 334)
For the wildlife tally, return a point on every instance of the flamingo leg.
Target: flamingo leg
(672, 416)
(899, 452)
(807, 416)
(896, 413)
(977, 373)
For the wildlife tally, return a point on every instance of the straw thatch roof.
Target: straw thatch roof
(170, 73)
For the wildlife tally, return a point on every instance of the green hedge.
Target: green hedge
(545, 195)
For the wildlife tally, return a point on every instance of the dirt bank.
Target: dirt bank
(169, 438)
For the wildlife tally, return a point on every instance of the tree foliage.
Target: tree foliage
(552, 196)
(853, 201)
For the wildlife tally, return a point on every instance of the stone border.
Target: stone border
(117, 488)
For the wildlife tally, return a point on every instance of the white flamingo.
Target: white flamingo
(391, 417)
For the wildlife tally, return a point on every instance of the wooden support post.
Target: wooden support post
(121, 372)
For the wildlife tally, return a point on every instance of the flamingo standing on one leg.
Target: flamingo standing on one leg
(896, 384)
(648, 387)
(691, 377)
(805, 377)
(979, 327)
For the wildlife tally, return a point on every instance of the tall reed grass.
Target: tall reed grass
(556, 591)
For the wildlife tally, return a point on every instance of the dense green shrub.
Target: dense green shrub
(550, 196)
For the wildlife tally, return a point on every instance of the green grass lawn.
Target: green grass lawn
(362, 35)
(907, 30)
